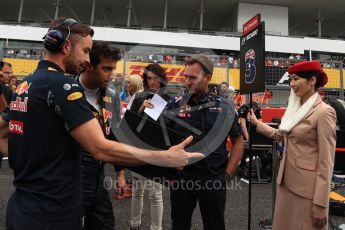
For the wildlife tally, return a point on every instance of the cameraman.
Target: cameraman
(265, 158)
(243, 111)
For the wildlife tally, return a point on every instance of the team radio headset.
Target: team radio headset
(55, 39)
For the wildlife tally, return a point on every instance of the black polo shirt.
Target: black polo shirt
(215, 118)
(42, 153)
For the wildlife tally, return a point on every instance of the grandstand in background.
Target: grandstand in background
(317, 18)
(168, 31)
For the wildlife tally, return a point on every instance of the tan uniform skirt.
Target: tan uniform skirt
(292, 212)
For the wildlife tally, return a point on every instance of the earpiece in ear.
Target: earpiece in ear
(55, 38)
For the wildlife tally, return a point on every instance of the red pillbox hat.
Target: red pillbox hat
(309, 66)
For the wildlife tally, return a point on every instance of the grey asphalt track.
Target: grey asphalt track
(235, 214)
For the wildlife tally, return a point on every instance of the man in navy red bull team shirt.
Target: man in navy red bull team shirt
(43, 130)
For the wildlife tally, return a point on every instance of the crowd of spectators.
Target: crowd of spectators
(218, 60)
(332, 64)
(24, 53)
(233, 61)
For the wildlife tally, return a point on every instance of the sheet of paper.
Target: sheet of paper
(158, 106)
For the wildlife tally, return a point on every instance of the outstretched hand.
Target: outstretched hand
(176, 156)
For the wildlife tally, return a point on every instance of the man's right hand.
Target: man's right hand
(176, 156)
(126, 155)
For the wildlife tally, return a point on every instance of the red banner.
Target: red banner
(251, 24)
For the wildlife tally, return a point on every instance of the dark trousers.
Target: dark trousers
(97, 207)
(16, 219)
(209, 191)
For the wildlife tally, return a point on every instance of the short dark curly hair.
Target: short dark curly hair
(103, 49)
(157, 70)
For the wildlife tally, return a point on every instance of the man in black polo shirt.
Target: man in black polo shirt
(6, 91)
(5, 76)
(203, 182)
(48, 120)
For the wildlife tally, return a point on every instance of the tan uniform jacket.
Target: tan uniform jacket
(308, 159)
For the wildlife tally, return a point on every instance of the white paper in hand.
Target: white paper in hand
(158, 106)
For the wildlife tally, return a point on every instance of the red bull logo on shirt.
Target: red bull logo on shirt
(107, 115)
(19, 105)
(23, 88)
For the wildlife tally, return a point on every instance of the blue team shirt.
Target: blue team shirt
(42, 153)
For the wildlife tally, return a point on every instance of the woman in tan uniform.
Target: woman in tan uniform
(308, 131)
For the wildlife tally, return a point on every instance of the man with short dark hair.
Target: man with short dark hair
(200, 111)
(98, 210)
(47, 123)
(5, 76)
(5, 90)
(224, 89)
(6, 72)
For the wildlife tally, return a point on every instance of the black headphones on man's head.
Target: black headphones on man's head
(55, 38)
